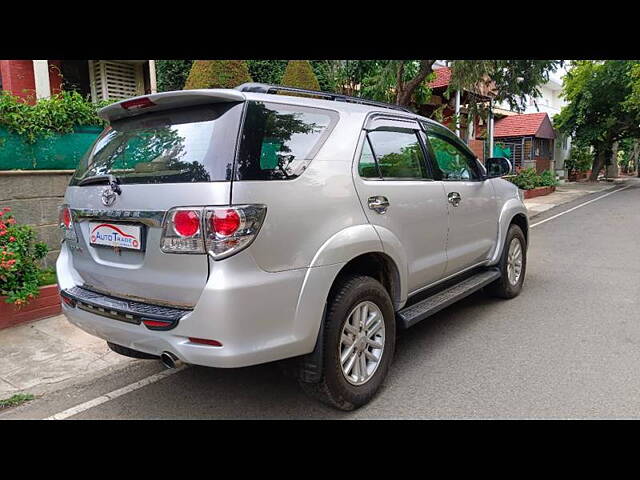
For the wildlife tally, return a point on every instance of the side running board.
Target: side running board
(411, 315)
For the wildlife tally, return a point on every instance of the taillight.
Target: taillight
(182, 231)
(218, 231)
(186, 223)
(65, 216)
(231, 229)
(225, 222)
(65, 222)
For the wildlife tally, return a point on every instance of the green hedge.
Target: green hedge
(54, 152)
(528, 179)
(52, 134)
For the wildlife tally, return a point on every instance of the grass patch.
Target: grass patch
(47, 276)
(17, 399)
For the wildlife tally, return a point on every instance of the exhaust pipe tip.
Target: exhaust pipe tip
(169, 360)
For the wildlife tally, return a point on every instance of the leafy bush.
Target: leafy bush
(528, 178)
(580, 159)
(19, 255)
(171, 74)
(217, 74)
(299, 74)
(547, 179)
(58, 114)
(47, 276)
(267, 71)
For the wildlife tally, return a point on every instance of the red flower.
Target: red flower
(11, 221)
(12, 239)
(6, 209)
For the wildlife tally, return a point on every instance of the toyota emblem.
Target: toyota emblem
(108, 196)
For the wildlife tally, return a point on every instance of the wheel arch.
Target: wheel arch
(513, 212)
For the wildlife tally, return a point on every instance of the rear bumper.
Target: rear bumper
(258, 316)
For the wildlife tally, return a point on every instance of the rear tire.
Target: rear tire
(512, 265)
(350, 384)
(129, 352)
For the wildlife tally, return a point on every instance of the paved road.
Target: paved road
(568, 346)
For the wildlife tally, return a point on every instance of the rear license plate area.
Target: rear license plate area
(116, 235)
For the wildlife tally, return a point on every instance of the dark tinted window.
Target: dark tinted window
(399, 154)
(193, 144)
(279, 141)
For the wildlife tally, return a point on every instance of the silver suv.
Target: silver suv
(235, 227)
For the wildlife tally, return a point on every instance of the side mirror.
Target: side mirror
(498, 167)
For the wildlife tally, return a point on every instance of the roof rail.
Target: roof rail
(266, 88)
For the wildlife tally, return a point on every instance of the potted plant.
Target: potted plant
(21, 297)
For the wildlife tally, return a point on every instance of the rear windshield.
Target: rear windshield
(278, 141)
(194, 144)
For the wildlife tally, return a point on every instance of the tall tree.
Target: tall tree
(510, 81)
(398, 81)
(172, 74)
(600, 109)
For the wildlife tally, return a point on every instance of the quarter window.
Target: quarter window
(367, 166)
(279, 141)
(399, 154)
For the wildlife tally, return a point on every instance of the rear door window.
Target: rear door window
(399, 154)
(194, 144)
(279, 141)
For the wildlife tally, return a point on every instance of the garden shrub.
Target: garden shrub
(547, 179)
(528, 178)
(19, 256)
(267, 71)
(58, 114)
(580, 159)
(171, 74)
(217, 74)
(299, 74)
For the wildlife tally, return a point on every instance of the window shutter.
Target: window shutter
(116, 80)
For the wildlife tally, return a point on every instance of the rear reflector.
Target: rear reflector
(156, 323)
(68, 301)
(204, 341)
(137, 103)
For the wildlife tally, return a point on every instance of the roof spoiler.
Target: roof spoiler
(273, 89)
(166, 101)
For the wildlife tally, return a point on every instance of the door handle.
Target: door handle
(379, 204)
(454, 198)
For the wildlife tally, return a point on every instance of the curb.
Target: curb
(612, 187)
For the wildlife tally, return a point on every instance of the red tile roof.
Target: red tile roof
(528, 124)
(443, 77)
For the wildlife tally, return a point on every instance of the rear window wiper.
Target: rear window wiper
(110, 179)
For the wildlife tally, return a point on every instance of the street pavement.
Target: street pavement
(567, 347)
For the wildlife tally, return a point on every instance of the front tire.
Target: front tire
(512, 265)
(359, 343)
